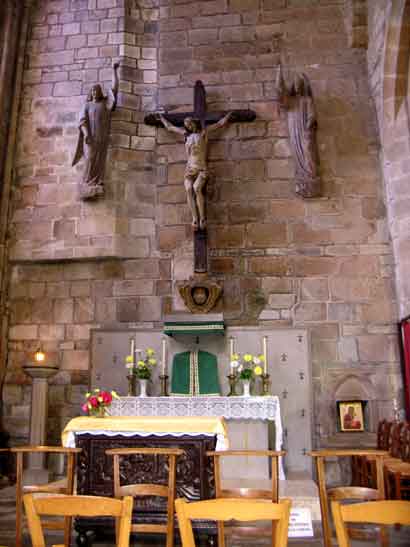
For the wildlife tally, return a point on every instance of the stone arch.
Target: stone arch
(340, 385)
(354, 387)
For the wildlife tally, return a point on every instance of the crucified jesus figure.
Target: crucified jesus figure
(196, 171)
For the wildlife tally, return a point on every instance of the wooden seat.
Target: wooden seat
(166, 491)
(220, 492)
(227, 509)
(377, 512)
(73, 506)
(345, 492)
(397, 472)
(64, 486)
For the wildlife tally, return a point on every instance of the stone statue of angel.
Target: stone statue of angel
(94, 131)
(302, 123)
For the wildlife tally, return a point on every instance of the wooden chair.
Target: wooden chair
(165, 491)
(252, 493)
(397, 472)
(393, 445)
(233, 508)
(82, 506)
(64, 486)
(345, 492)
(377, 512)
(363, 467)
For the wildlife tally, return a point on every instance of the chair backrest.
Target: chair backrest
(383, 434)
(144, 489)
(226, 509)
(354, 493)
(272, 494)
(395, 439)
(345, 492)
(65, 486)
(405, 443)
(374, 512)
(84, 506)
(149, 489)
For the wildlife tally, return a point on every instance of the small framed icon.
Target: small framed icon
(351, 415)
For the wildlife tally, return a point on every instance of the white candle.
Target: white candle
(164, 352)
(265, 355)
(132, 351)
(231, 351)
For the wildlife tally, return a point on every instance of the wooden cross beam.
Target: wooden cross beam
(200, 112)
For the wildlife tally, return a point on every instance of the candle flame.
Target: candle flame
(39, 356)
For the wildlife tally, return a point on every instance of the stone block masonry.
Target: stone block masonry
(71, 46)
(325, 265)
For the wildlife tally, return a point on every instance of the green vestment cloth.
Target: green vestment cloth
(195, 373)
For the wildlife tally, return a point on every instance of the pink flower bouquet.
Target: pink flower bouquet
(97, 402)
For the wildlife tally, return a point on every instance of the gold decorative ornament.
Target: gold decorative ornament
(200, 296)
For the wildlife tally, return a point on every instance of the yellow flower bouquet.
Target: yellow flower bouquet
(247, 365)
(142, 365)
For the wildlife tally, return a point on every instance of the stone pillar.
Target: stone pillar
(38, 419)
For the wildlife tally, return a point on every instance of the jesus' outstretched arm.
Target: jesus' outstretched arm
(222, 123)
(170, 127)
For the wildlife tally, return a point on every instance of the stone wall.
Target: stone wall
(324, 264)
(72, 45)
(389, 59)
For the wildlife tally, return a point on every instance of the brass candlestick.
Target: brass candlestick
(232, 383)
(164, 385)
(132, 384)
(265, 384)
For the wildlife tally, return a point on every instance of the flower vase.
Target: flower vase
(143, 387)
(132, 385)
(246, 388)
(100, 412)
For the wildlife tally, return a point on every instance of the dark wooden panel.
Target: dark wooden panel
(95, 476)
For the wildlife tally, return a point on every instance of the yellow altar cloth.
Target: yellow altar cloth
(152, 424)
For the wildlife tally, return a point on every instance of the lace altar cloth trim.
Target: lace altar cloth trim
(230, 408)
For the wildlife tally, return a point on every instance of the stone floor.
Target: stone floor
(7, 527)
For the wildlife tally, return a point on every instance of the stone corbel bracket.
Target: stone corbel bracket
(200, 295)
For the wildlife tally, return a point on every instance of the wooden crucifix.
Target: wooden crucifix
(195, 127)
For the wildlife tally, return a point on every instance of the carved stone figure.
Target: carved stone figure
(196, 171)
(94, 131)
(302, 123)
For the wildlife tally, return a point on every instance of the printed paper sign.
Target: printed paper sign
(300, 523)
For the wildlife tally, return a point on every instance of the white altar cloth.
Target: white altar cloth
(230, 408)
(144, 426)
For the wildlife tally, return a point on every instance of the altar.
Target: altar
(280, 421)
(251, 422)
(194, 472)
